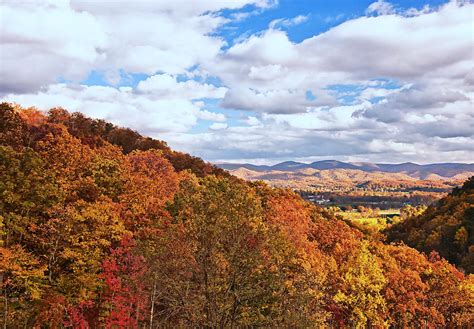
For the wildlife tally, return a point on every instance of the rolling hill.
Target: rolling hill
(337, 175)
(413, 170)
(381, 185)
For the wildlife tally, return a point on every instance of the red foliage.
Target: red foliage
(125, 295)
(52, 312)
(77, 318)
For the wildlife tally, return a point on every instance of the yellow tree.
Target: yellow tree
(361, 290)
(22, 285)
(223, 224)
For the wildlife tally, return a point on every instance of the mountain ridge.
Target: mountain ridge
(419, 171)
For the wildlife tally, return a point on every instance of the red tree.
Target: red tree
(125, 297)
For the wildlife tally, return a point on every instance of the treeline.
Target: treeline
(103, 228)
(446, 227)
(95, 132)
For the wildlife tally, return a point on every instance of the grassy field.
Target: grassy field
(369, 220)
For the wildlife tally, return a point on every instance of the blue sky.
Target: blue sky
(322, 15)
(255, 80)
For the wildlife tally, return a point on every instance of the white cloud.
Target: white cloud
(40, 42)
(327, 119)
(211, 116)
(123, 106)
(418, 101)
(287, 22)
(266, 72)
(380, 7)
(165, 85)
(175, 8)
(273, 101)
(252, 121)
(385, 146)
(416, 63)
(218, 126)
(373, 92)
(431, 45)
(68, 39)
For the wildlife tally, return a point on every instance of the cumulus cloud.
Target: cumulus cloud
(416, 102)
(211, 116)
(122, 106)
(268, 65)
(40, 42)
(272, 101)
(67, 39)
(395, 85)
(380, 7)
(165, 85)
(251, 121)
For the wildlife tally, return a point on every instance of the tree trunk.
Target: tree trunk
(152, 309)
(6, 310)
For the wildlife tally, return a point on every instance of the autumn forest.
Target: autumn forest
(104, 228)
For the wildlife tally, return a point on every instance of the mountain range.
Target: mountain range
(417, 171)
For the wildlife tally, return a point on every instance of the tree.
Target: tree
(133, 234)
(450, 293)
(22, 285)
(150, 184)
(27, 192)
(125, 299)
(13, 130)
(406, 292)
(302, 267)
(361, 290)
(445, 227)
(75, 241)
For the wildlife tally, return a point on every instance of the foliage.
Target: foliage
(446, 227)
(101, 227)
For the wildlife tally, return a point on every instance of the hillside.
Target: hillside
(103, 228)
(446, 227)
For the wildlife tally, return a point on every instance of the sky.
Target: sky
(259, 81)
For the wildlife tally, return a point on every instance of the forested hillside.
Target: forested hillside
(446, 227)
(101, 227)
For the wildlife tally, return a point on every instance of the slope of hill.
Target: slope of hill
(103, 228)
(446, 227)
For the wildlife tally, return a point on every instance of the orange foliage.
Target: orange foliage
(101, 227)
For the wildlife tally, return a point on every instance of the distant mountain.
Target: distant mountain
(331, 164)
(234, 166)
(417, 171)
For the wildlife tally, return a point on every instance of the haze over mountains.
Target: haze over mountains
(417, 171)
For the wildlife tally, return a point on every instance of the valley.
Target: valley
(335, 183)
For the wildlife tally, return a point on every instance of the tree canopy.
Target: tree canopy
(101, 227)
